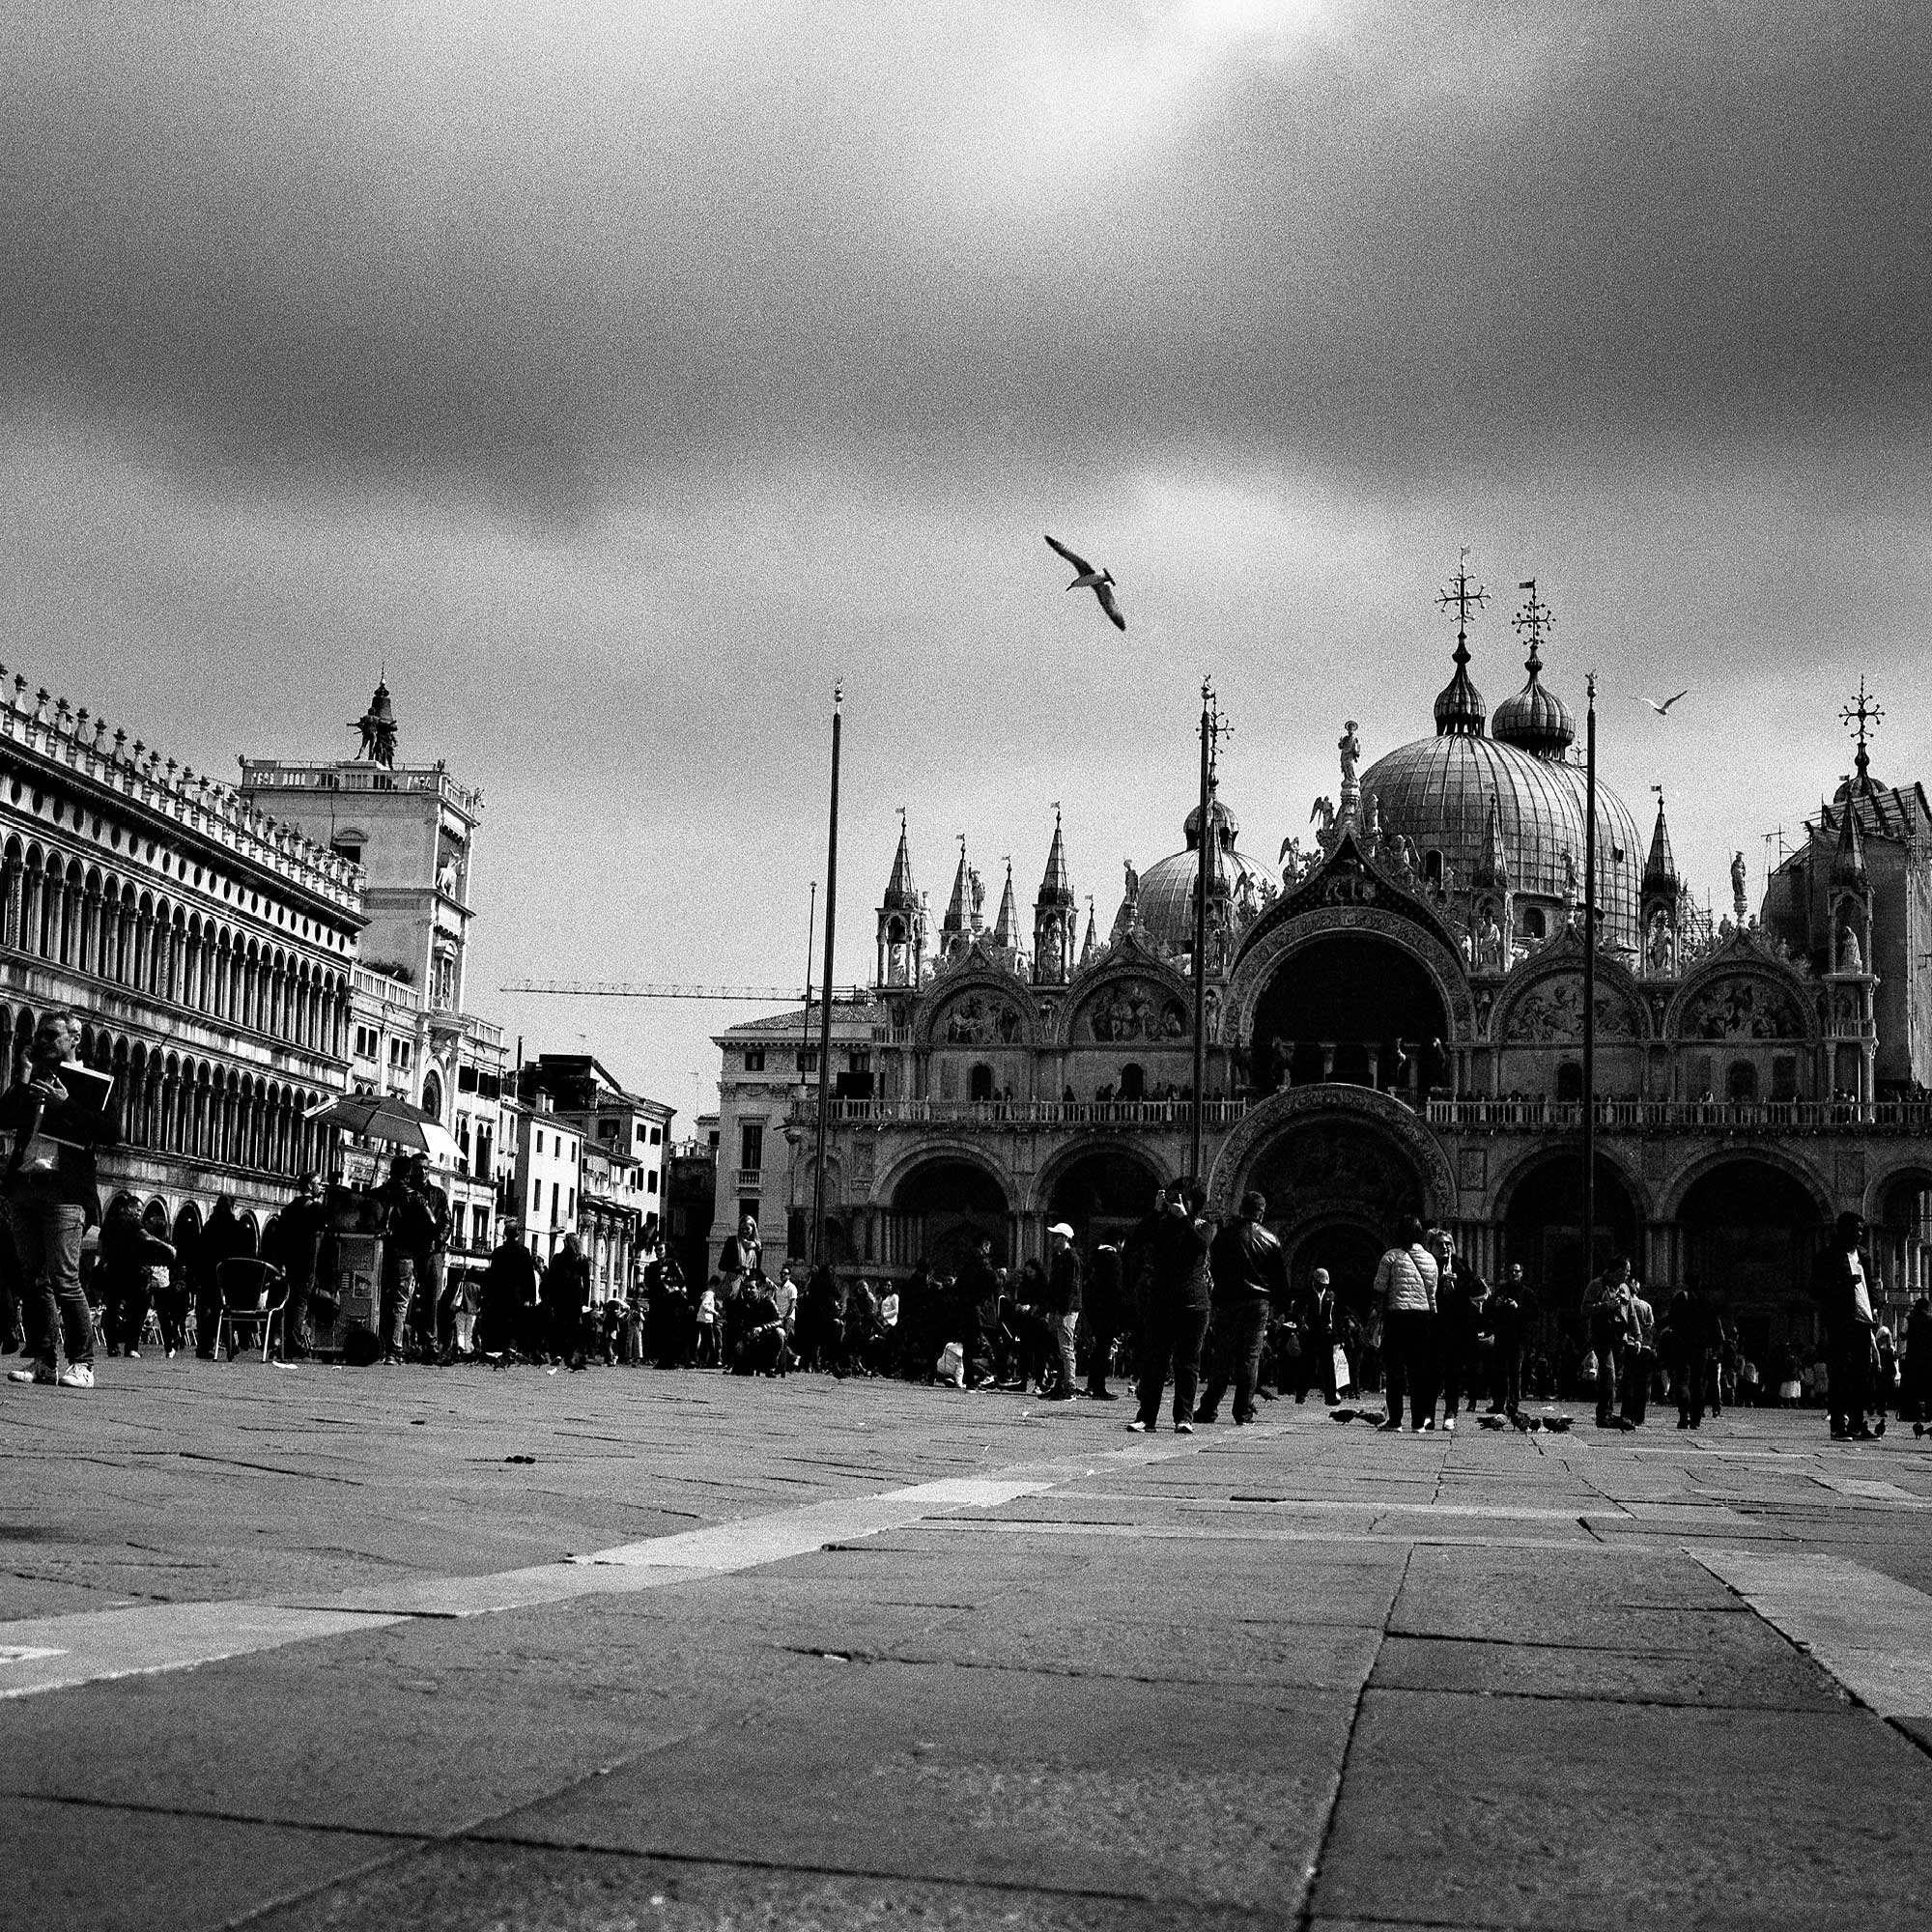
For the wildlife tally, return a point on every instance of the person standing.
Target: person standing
(1915, 1367)
(977, 1311)
(409, 1233)
(52, 1199)
(1639, 1361)
(299, 1228)
(509, 1296)
(133, 1260)
(1319, 1331)
(1606, 1317)
(226, 1237)
(1690, 1324)
(1101, 1314)
(1405, 1291)
(1137, 1274)
(1509, 1316)
(1250, 1281)
(1461, 1302)
(1063, 1304)
(1841, 1278)
(742, 1254)
(1181, 1288)
(567, 1290)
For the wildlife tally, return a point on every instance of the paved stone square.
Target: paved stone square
(324, 1648)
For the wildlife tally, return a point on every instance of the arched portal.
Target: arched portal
(1543, 1230)
(1336, 1191)
(1101, 1195)
(1901, 1239)
(1352, 1007)
(1750, 1232)
(943, 1207)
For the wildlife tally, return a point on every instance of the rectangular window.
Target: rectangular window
(572, 1210)
(540, 1139)
(748, 1209)
(751, 1146)
(754, 1060)
(1784, 1076)
(651, 1182)
(657, 1136)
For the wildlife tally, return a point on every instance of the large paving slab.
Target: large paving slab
(733, 1654)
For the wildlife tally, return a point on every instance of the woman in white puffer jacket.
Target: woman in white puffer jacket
(1404, 1292)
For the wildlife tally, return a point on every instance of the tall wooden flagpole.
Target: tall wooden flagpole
(1202, 848)
(1590, 987)
(825, 990)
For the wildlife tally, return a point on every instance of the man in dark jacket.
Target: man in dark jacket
(1063, 1302)
(226, 1237)
(56, 1123)
(567, 1294)
(1136, 1273)
(977, 1297)
(1179, 1295)
(1101, 1314)
(1250, 1278)
(509, 1298)
(1842, 1286)
(298, 1231)
(1509, 1319)
(1461, 1298)
(1688, 1333)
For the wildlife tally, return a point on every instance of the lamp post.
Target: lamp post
(825, 990)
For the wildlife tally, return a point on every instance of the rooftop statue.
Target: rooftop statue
(378, 726)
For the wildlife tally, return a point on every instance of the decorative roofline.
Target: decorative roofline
(352, 775)
(75, 741)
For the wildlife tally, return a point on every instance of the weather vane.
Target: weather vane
(1863, 716)
(1534, 617)
(1462, 598)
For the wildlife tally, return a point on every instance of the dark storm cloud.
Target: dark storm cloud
(542, 263)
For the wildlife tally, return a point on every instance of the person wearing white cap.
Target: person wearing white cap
(1063, 1302)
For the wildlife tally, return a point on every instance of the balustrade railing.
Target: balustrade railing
(1536, 1113)
(1178, 1114)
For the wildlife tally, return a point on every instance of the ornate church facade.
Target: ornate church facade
(1394, 1024)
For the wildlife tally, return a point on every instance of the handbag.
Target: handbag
(1344, 1375)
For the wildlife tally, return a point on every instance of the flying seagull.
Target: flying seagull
(1663, 710)
(1099, 582)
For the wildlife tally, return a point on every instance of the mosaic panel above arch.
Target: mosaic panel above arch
(1131, 1008)
(1353, 1111)
(1743, 1005)
(1549, 1011)
(981, 1014)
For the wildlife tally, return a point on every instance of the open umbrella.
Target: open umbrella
(392, 1120)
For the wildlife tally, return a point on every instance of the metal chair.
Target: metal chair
(253, 1292)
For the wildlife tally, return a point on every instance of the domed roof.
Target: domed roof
(1535, 720)
(1438, 790)
(1165, 909)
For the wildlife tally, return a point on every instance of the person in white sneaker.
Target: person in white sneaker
(51, 1197)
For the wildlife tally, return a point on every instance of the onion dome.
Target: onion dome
(1165, 910)
(1460, 709)
(1535, 720)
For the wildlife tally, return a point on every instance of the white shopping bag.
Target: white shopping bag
(951, 1364)
(1342, 1371)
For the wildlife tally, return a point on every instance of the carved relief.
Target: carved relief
(1743, 1009)
(982, 1020)
(1552, 1013)
(1320, 1167)
(1133, 1010)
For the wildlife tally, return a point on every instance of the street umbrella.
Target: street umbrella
(392, 1120)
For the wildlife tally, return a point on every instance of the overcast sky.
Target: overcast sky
(620, 377)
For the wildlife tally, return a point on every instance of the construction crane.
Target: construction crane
(624, 990)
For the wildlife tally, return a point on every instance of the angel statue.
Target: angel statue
(1322, 816)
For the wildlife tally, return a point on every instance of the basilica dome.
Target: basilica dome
(1439, 791)
(1165, 910)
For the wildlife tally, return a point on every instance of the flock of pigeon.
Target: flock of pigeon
(1547, 1422)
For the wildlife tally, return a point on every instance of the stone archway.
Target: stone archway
(939, 1210)
(1542, 1227)
(1100, 1193)
(1750, 1229)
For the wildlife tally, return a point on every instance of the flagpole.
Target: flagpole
(1203, 845)
(1590, 988)
(825, 990)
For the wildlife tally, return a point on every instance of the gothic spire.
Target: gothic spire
(1659, 869)
(958, 908)
(1493, 872)
(1006, 927)
(1848, 869)
(1056, 889)
(1092, 943)
(900, 896)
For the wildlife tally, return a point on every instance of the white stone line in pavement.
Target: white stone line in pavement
(1872, 1632)
(54, 1652)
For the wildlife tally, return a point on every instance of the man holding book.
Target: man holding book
(58, 1112)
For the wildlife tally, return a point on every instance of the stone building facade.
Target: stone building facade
(1394, 1024)
(207, 949)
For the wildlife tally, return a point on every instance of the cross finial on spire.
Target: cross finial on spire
(1461, 597)
(903, 819)
(1533, 618)
(1863, 718)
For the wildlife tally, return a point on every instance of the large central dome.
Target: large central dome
(1166, 904)
(1438, 792)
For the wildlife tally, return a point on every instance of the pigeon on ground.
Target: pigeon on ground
(1099, 582)
(1493, 1421)
(1663, 710)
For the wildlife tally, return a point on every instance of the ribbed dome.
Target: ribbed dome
(1535, 720)
(1166, 905)
(1437, 791)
